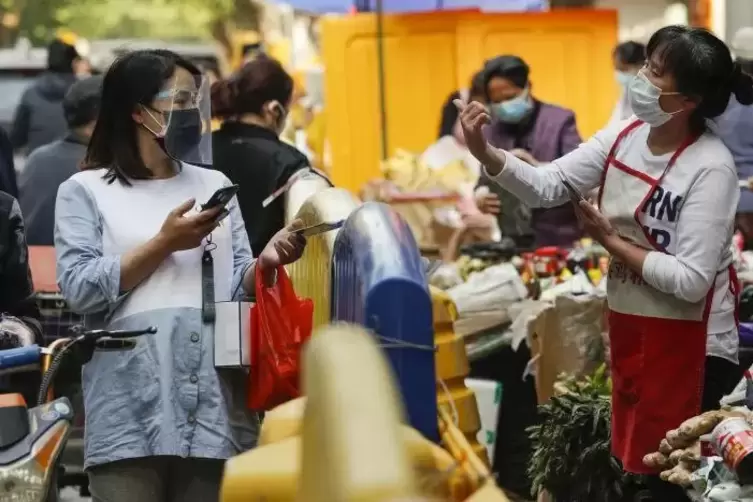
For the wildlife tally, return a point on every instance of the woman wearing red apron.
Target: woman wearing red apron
(668, 193)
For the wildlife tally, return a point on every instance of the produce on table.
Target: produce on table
(679, 453)
(572, 459)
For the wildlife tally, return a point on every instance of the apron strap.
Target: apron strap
(685, 144)
(612, 151)
(734, 287)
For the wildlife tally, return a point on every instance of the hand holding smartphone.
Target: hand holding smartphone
(575, 195)
(221, 198)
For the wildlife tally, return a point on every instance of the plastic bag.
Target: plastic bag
(280, 324)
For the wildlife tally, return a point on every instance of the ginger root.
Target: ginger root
(656, 460)
(677, 475)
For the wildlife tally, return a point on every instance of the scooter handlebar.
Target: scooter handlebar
(123, 333)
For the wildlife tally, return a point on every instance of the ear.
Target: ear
(138, 115)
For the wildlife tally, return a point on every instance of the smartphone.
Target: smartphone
(221, 197)
(575, 195)
(319, 228)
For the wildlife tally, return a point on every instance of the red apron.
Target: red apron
(658, 342)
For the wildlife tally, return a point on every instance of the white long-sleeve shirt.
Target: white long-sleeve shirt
(702, 233)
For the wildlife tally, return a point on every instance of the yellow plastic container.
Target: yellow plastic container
(569, 51)
(452, 370)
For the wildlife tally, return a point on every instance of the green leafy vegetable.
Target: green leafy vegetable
(572, 457)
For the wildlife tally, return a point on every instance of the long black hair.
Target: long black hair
(133, 79)
(703, 70)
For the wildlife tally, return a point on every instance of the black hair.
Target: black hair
(133, 79)
(511, 68)
(259, 81)
(478, 84)
(632, 53)
(60, 56)
(702, 67)
(81, 102)
(746, 65)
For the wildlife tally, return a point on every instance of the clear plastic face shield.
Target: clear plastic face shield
(186, 130)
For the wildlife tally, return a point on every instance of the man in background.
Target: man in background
(537, 133)
(52, 164)
(39, 117)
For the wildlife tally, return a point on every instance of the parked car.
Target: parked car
(206, 55)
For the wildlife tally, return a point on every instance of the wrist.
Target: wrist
(160, 245)
(612, 243)
(493, 161)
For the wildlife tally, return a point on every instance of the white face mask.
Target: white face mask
(644, 100)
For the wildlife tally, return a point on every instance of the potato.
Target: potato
(656, 460)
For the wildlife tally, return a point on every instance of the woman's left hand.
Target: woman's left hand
(594, 223)
(284, 248)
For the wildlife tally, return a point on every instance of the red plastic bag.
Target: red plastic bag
(280, 325)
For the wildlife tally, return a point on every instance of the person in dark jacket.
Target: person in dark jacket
(52, 164)
(16, 289)
(253, 105)
(535, 132)
(8, 182)
(39, 117)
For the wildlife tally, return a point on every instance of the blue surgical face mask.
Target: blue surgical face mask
(513, 110)
(623, 78)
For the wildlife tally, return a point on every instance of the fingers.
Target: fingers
(208, 215)
(493, 207)
(294, 225)
(183, 208)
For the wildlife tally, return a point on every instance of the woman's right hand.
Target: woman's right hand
(181, 232)
(473, 117)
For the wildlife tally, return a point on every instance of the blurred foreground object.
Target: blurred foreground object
(352, 418)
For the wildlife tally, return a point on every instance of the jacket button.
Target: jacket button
(191, 419)
(194, 337)
(194, 378)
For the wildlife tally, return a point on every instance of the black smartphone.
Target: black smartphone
(575, 195)
(221, 197)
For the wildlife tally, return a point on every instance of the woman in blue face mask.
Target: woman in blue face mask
(535, 132)
(628, 58)
(668, 192)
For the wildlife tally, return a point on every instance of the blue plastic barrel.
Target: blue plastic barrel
(378, 281)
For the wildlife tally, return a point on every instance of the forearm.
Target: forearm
(535, 186)
(141, 262)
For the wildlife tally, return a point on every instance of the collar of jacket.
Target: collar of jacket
(248, 130)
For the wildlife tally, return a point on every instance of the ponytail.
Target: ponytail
(742, 85)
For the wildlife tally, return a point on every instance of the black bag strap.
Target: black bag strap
(208, 313)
